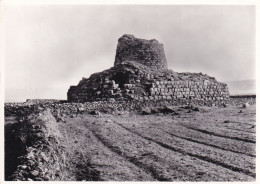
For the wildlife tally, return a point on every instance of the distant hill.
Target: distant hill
(242, 87)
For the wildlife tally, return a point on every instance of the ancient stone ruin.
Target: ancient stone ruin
(147, 52)
(140, 73)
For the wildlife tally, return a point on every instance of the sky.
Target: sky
(48, 48)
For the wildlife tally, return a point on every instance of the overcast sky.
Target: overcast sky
(50, 47)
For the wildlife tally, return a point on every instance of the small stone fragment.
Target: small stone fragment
(245, 105)
(34, 173)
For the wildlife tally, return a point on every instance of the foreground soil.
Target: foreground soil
(211, 144)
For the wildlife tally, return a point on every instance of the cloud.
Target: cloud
(55, 45)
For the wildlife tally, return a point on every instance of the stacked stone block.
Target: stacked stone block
(146, 52)
(109, 90)
(102, 91)
(188, 90)
(138, 78)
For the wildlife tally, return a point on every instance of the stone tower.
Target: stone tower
(140, 74)
(147, 52)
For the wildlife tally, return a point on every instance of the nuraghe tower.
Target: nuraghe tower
(140, 73)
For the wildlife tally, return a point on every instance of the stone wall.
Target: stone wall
(149, 86)
(236, 100)
(37, 101)
(188, 90)
(37, 139)
(216, 93)
(140, 74)
(146, 52)
(61, 109)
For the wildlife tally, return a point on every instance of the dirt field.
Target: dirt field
(212, 144)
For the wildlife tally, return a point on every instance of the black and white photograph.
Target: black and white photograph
(128, 92)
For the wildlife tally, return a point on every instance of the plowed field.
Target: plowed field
(212, 144)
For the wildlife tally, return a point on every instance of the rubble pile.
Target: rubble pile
(238, 100)
(43, 155)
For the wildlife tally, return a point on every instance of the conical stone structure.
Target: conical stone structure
(146, 52)
(140, 74)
